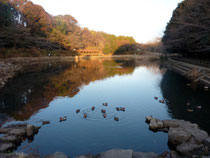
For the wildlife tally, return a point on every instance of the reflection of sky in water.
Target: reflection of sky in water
(77, 135)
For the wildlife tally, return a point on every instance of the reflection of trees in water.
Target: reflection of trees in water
(175, 90)
(29, 92)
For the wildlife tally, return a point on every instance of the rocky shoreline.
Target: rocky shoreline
(7, 71)
(185, 139)
(14, 135)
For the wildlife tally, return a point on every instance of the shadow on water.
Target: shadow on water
(177, 91)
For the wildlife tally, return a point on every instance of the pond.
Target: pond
(46, 92)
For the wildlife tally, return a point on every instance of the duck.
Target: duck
(105, 104)
(104, 115)
(156, 98)
(190, 110)
(122, 109)
(93, 108)
(118, 109)
(78, 110)
(45, 122)
(63, 118)
(103, 111)
(162, 101)
(198, 107)
(85, 115)
(116, 118)
(206, 87)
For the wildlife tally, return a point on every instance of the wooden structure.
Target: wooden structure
(194, 72)
(90, 52)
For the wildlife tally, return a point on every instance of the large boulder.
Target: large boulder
(6, 146)
(17, 131)
(9, 138)
(30, 130)
(153, 124)
(206, 142)
(177, 136)
(186, 149)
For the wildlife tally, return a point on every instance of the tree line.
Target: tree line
(188, 32)
(27, 25)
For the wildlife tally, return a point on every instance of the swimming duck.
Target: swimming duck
(156, 98)
(104, 115)
(103, 111)
(45, 122)
(190, 110)
(93, 108)
(78, 110)
(122, 109)
(162, 101)
(85, 115)
(206, 87)
(198, 107)
(63, 118)
(105, 104)
(118, 109)
(116, 118)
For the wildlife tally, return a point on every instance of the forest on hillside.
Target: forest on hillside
(28, 27)
(188, 32)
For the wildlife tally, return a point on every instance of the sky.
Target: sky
(143, 19)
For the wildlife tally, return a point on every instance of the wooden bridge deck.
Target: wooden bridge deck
(196, 73)
(90, 52)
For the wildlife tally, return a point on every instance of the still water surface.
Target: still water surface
(51, 90)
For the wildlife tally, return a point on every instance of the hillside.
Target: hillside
(188, 31)
(27, 26)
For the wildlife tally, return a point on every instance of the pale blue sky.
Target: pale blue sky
(142, 19)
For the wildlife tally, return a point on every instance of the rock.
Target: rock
(187, 148)
(206, 142)
(6, 146)
(57, 155)
(17, 131)
(117, 153)
(144, 155)
(9, 138)
(171, 123)
(174, 154)
(177, 136)
(4, 130)
(30, 130)
(148, 119)
(198, 134)
(160, 124)
(153, 124)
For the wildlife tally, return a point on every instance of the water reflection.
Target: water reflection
(47, 92)
(177, 91)
(52, 90)
(39, 84)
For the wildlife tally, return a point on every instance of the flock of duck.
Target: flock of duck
(160, 101)
(85, 115)
(103, 111)
(188, 104)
